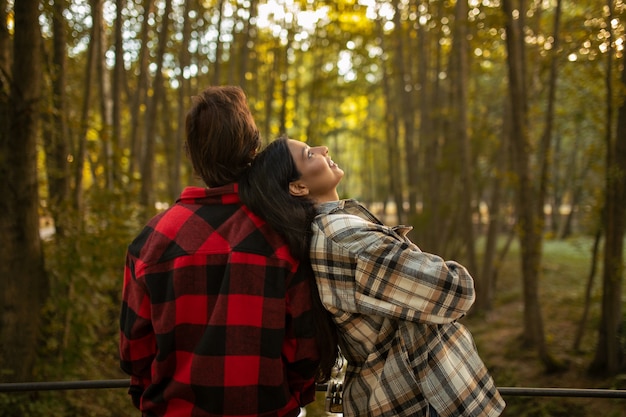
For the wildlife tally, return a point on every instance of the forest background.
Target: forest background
(496, 128)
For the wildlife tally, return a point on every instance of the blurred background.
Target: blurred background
(496, 128)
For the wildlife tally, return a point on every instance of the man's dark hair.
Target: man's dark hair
(221, 136)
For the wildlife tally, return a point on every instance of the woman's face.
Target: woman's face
(319, 174)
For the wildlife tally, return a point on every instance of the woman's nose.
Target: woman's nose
(323, 149)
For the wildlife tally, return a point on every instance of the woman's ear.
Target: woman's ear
(298, 189)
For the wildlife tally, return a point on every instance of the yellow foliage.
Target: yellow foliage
(354, 110)
(93, 135)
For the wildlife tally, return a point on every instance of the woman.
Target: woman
(395, 306)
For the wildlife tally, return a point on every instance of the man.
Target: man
(216, 316)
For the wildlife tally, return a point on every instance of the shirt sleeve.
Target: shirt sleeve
(137, 345)
(392, 276)
(299, 347)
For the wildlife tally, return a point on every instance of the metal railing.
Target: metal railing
(124, 383)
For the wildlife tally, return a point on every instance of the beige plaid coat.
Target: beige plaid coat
(397, 309)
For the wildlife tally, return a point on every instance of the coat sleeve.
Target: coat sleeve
(137, 345)
(392, 276)
(299, 346)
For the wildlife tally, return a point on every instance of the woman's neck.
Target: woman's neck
(334, 196)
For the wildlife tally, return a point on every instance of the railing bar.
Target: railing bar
(562, 392)
(124, 383)
(64, 385)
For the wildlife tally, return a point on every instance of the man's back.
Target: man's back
(209, 323)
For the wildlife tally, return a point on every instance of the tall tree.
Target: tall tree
(284, 64)
(117, 87)
(431, 123)
(545, 149)
(404, 102)
(56, 133)
(105, 96)
(147, 167)
(273, 59)
(217, 66)
(81, 151)
(184, 92)
(459, 70)
(248, 37)
(610, 355)
(529, 223)
(5, 49)
(391, 135)
(485, 282)
(24, 283)
(141, 91)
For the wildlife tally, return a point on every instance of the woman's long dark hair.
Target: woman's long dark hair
(265, 190)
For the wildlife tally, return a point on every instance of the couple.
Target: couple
(219, 318)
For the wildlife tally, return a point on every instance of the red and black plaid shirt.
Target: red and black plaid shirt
(216, 319)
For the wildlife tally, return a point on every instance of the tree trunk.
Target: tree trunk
(460, 75)
(530, 226)
(147, 169)
(314, 113)
(81, 151)
(5, 51)
(393, 160)
(545, 150)
(573, 173)
(426, 133)
(284, 82)
(610, 356)
(431, 128)
(184, 92)
(136, 143)
(118, 80)
(485, 281)
(588, 289)
(404, 102)
(56, 133)
(21, 257)
(244, 57)
(170, 142)
(105, 96)
(391, 121)
(273, 57)
(217, 65)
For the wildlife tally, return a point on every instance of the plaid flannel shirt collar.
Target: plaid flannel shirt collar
(351, 206)
(348, 206)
